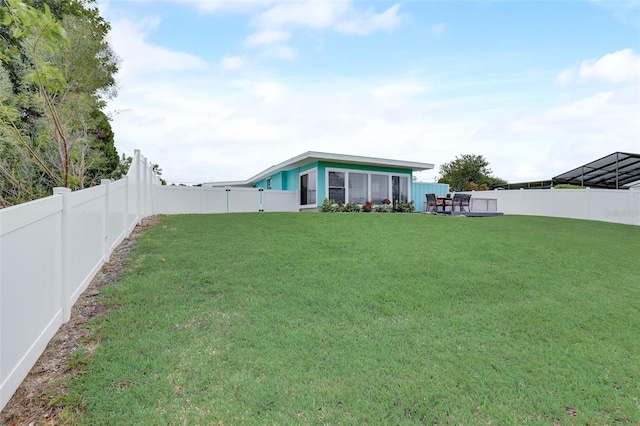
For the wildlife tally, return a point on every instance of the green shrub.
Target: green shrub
(385, 208)
(352, 208)
(330, 206)
(405, 207)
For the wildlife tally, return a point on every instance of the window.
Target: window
(308, 184)
(336, 187)
(358, 188)
(400, 188)
(379, 188)
(361, 186)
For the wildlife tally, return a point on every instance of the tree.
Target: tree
(53, 83)
(468, 172)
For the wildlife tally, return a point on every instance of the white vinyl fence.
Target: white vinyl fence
(50, 249)
(187, 200)
(606, 205)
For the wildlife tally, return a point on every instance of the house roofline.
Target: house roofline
(311, 156)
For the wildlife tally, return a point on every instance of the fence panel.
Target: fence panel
(30, 286)
(280, 201)
(214, 200)
(86, 244)
(607, 205)
(117, 215)
(243, 200)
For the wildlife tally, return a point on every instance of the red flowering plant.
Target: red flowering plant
(367, 207)
(386, 201)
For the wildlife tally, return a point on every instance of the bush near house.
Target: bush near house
(331, 206)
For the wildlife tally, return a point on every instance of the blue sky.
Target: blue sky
(221, 90)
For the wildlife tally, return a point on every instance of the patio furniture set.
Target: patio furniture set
(447, 205)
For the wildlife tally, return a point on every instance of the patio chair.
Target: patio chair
(432, 203)
(452, 202)
(465, 202)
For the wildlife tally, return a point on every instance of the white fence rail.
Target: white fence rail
(607, 205)
(205, 200)
(50, 249)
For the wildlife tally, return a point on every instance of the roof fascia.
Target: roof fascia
(312, 156)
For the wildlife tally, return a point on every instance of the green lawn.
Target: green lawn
(368, 318)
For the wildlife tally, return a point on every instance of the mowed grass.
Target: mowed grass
(351, 319)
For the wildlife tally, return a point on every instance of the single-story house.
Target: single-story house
(340, 177)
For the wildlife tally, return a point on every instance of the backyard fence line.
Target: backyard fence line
(50, 250)
(207, 200)
(606, 205)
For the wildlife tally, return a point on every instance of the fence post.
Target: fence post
(261, 191)
(125, 216)
(136, 160)
(227, 189)
(65, 255)
(145, 186)
(105, 228)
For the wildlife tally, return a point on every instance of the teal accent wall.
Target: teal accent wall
(289, 180)
(293, 180)
(323, 166)
(278, 182)
(420, 189)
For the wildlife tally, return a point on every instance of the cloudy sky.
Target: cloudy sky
(221, 90)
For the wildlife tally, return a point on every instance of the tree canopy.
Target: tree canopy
(56, 73)
(468, 172)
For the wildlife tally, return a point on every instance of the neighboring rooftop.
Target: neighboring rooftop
(619, 170)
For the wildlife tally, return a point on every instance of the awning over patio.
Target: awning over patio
(619, 170)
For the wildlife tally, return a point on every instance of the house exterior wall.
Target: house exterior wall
(322, 174)
(289, 180)
(278, 182)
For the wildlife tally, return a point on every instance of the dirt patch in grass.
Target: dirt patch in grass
(35, 400)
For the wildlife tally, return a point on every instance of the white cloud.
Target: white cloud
(394, 89)
(340, 16)
(360, 23)
(128, 40)
(233, 63)
(281, 52)
(267, 37)
(618, 67)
